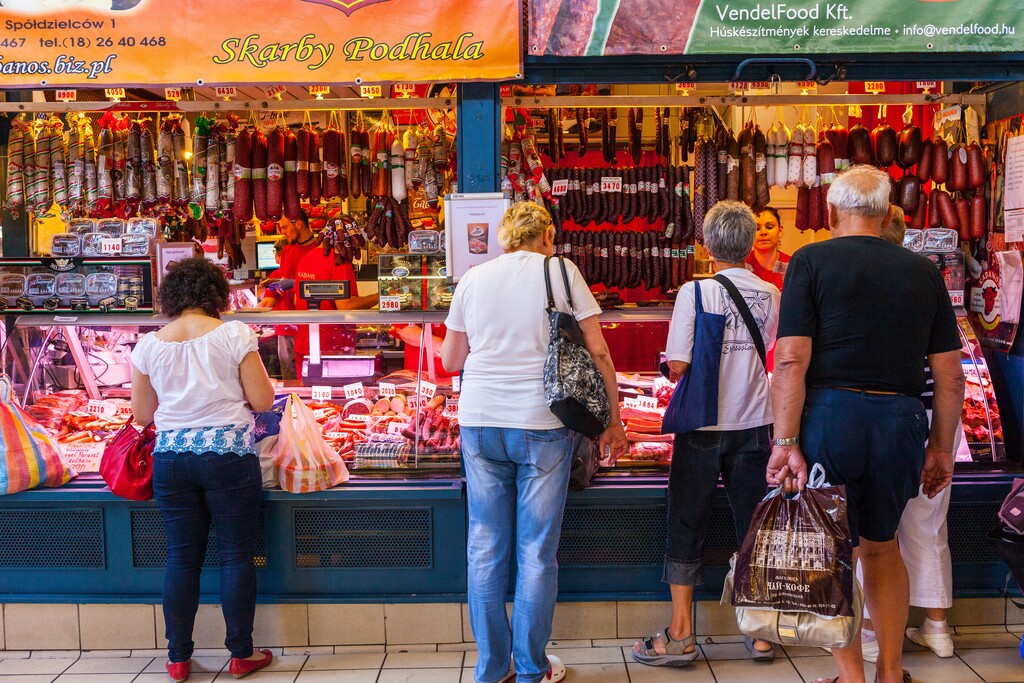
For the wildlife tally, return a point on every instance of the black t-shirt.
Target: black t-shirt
(874, 310)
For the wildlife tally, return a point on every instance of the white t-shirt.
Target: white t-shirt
(197, 382)
(744, 399)
(500, 305)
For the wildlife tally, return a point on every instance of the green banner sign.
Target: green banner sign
(644, 27)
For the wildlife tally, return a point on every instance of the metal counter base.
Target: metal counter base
(399, 540)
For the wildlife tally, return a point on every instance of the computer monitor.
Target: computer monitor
(265, 259)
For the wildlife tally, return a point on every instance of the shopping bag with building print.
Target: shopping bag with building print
(29, 456)
(798, 554)
(305, 461)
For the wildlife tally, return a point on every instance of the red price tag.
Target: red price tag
(322, 394)
(371, 91)
(172, 94)
(391, 303)
(65, 95)
(560, 188)
(506, 91)
(110, 246)
(611, 184)
(874, 87)
(319, 90)
(115, 93)
(386, 389)
(354, 390)
(957, 298)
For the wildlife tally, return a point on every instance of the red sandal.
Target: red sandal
(240, 668)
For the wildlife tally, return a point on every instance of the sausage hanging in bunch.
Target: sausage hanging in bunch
(147, 171)
(581, 130)
(214, 153)
(181, 185)
(89, 150)
(924, 164)
(292, 207)
(199, 151)
(963, 217)
(934, 212)
(909, 193)
(104, 160)
(940, 162)
(803, 200)
(827, 167)
(356, 157)
(909, 146)
(165, 163)
(259, 175)
(552, 135)
(917, 221)
(302, 162)
(782, 141)
(636, 135)
(747, 171)
(117, 159)
(365, 162)
(883, 139)
(947, 209)
(978, 220)
(58, 162)
(16, 167)
(957, 168)
(243, 176)
(732, 149)
(317, 174)
(795, 158)
(332, 167)
(75, 162)
(275, 173)
(859, 142)
(227, 199)
(975, 166)
(810, 161)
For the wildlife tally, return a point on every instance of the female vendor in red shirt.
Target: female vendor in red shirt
(767, 261)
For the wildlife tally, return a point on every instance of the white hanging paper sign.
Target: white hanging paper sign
(456, 385)
(322, 394)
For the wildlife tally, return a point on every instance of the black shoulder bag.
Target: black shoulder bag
(748, 317)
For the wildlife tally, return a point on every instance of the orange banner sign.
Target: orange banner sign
(97, 43)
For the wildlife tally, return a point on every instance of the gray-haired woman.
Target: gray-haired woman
(737, 446)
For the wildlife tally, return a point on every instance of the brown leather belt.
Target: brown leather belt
(868, 391)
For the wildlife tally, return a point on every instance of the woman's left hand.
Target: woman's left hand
(613, 441)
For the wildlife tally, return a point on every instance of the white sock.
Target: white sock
(929, 626)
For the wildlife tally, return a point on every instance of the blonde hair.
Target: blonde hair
(522, 223)
(895, 227)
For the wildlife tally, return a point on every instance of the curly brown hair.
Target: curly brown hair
(193, 283)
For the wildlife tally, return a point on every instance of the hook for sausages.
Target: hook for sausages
(687, 72)
(812, 67)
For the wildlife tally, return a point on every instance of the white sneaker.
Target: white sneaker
(939, 643)
(556, 670)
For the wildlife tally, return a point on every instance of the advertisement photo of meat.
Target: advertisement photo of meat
(618, 27)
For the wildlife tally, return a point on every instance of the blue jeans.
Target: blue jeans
(698, 458)
(516, 483)
(190, 490)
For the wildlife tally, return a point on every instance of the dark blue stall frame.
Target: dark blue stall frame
(399, 540)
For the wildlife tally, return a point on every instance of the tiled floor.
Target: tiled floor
(982, 656)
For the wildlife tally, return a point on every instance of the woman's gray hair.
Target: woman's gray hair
(861, 190)
(729, 230)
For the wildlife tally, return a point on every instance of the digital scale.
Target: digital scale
(316, 291)
(341, 370)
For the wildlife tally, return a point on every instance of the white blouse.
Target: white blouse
(198, 385)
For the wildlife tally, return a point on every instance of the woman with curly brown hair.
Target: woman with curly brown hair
(198, 379)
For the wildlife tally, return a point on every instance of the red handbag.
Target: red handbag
(127, 463)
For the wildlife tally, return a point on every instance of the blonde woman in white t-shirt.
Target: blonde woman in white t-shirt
(735, 448)
(517, 453)
(196, 379)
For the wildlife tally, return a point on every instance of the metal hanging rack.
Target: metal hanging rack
(963, 99)
(351, 104)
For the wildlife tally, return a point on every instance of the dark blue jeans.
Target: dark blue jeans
(698, 458)
(190, 490)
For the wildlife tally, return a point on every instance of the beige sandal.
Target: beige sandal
(675, 650)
